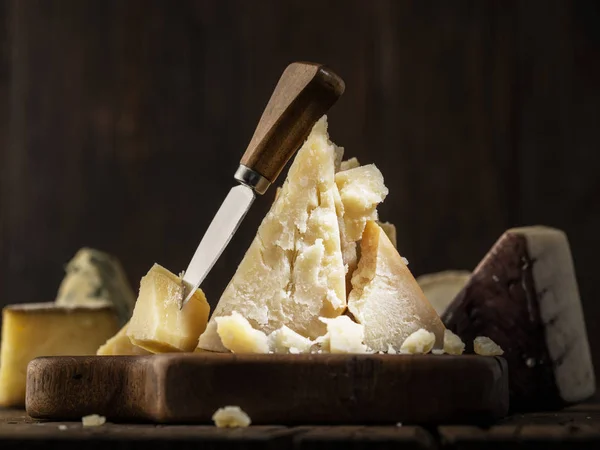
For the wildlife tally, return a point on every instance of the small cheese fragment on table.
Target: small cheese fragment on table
(386, 298)
(120, 344)
(419, 342)
(344, 336)
(94, 276)
(231, 417)
(93, 420)
(293, 272)
(238, 336)
(483, 345)
(286, 340)
(157, 324)
(453, 345)
(46, 329)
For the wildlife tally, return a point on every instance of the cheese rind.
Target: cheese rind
(238, 336)
(46, 329)
(95, 277)
(157, 324)
(120, 344)
(293, 272)
(386, 298)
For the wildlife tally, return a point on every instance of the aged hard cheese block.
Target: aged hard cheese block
(120, 344)
(524, 296)
(441, 288)
(46, 329)
(157, 324)
(293, 272)
(95, 277)
(386, 298)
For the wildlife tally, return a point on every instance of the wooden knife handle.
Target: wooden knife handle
(303, 94)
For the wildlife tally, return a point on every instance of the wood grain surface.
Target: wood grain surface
(272, 389)
(481, 115)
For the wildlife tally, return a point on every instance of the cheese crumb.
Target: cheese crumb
(421, 341)
(345, 335)
(486, 347)
(438, 351)
(391, 350)
(238, 336)
(453, 345)
(93, 420)
(286, 340)
(62, 427)
(231, 417)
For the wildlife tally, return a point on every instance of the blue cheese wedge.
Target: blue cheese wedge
(93, 278)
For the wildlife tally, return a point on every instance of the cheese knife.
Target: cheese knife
(303, 94)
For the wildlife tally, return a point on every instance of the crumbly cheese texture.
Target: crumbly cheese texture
(343, 336)
(483, 345)
(238, 336)
(351, 163)
(157, 324)
(385, 296)
(293, 272)
(453, 345)
(419, 342)
(560, 311)
(47, 329)
(441, 288)
(231, 417)
(120, 344)
(286, 340)
(94, 277)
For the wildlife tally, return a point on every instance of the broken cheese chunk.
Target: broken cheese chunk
(419, 342)
(231, 417)
(390, 231)
(453, 345)
(46, 329)
(484, 346)
(344, 336)
(351, 163)
(286, 340)
(238, 336)
(157, 324)
(386, 298)
(120, 344)
(293, 272)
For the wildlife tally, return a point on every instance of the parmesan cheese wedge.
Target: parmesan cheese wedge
(120, 344)
(293, 272)
(386, 298)
(157, 324)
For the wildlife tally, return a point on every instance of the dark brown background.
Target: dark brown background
(122, 122)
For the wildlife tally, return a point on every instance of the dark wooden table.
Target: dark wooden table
(575, 427)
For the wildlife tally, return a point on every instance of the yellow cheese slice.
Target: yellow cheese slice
(157, 324)
(120, 344)
(47, 329)
(293, 272)
(386, 298)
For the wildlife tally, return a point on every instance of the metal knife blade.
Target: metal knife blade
(217, 236)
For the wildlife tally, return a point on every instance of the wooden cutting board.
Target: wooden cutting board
(272, 389)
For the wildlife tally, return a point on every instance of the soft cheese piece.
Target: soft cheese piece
(390, 231)
(238, 336)
(286, 340)
(293, 272)
(231, 417)
(441, 288)
(524, 296)
(120, 344)
(419, 342)
(157, 324)
(483, 345)
(386, 298)
(95, 277)
(344, 336)
(453, 345)
(46, 329)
